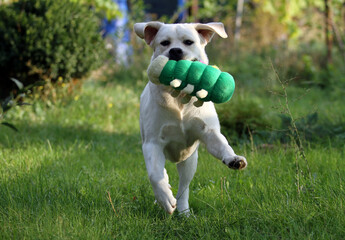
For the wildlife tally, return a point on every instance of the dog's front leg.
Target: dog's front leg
(218, 146)
(155, 162)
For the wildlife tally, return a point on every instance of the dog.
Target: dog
(172, 128)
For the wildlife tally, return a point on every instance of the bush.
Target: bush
(309, 129)
(47, 40)
(242, 117)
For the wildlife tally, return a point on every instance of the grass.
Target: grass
(75, 171)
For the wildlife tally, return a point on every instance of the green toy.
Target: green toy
(205, 82)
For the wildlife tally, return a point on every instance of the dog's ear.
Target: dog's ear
(208, 30)
(147, 30)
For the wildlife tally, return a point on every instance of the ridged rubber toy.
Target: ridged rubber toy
(205, 82)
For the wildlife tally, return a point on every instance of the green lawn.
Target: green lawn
(58, 171)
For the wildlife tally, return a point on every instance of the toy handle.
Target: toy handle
(155, 68)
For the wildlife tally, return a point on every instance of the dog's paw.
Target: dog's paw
(164, 196)
(236, 162)
(168, 202)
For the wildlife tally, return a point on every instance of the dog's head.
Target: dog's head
(179, 41)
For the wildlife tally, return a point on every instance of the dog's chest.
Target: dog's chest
(175, 123)
(179, 141)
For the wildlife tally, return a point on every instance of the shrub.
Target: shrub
(45, 40)
(243, 116)
(309, 128)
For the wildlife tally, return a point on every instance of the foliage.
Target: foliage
(13, 100)
(309, 127)
(220, 9)
(137, 10)
(107, 8)
(45, 40)
(242, 116)
(288, 12)
(252, 114)
(270, 22)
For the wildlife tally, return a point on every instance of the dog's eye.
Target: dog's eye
(188, 42)
(165, 43)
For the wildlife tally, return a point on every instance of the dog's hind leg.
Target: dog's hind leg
(155, 162)
(186, 171)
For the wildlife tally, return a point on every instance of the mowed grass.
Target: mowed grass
(75, 170)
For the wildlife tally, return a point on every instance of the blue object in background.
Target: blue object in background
(117, 31)
(118, 35)
(181, 6)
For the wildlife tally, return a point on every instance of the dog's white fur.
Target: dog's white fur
(171, 126)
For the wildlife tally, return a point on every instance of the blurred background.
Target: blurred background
(286, 54)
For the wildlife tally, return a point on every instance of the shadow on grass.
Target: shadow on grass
(76, 169)
(58, 135)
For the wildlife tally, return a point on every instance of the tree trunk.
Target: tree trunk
(238, 22)
(194, 10)
(328, 31)
(338, 40)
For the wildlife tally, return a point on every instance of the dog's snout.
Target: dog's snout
(175, 54)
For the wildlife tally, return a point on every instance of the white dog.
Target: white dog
(172, 128)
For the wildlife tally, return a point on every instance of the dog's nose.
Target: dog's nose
(175, 54)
